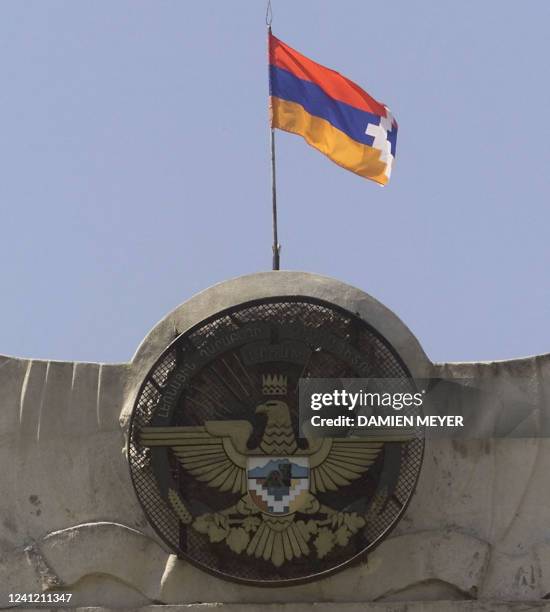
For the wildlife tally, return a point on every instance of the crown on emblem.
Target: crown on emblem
(274, 384)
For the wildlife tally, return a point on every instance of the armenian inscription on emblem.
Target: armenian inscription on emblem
(217, 463)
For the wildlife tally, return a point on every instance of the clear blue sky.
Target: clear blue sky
(135, 169)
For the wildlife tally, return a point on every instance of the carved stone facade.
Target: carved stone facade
(476, 533)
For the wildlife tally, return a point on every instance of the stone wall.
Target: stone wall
(477, 530)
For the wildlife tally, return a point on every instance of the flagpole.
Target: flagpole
(276, 246)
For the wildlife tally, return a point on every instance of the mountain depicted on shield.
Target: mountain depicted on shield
(278, 485)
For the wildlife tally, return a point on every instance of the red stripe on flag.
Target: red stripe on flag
(333, 83)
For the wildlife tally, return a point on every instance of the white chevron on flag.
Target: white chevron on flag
(381, 142)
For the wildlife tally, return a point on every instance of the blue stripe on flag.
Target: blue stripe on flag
(346, 118)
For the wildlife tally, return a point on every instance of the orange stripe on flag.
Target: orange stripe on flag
(320, 134)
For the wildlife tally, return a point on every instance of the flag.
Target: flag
(333, 114)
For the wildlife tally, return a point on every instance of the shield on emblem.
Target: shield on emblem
(278, 485)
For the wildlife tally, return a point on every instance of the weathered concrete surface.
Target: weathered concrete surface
(478, 526)
(413, 606)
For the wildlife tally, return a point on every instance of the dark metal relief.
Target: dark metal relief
(215, 456)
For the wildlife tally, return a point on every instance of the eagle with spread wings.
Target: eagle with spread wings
(217, 455)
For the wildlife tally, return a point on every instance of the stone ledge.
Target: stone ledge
(415, 606)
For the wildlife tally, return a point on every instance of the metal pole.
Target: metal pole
(276, 245)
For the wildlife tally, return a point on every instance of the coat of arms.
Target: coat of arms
(217, 461)
(277, 480)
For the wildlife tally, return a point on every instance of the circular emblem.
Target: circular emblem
(217, 462)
